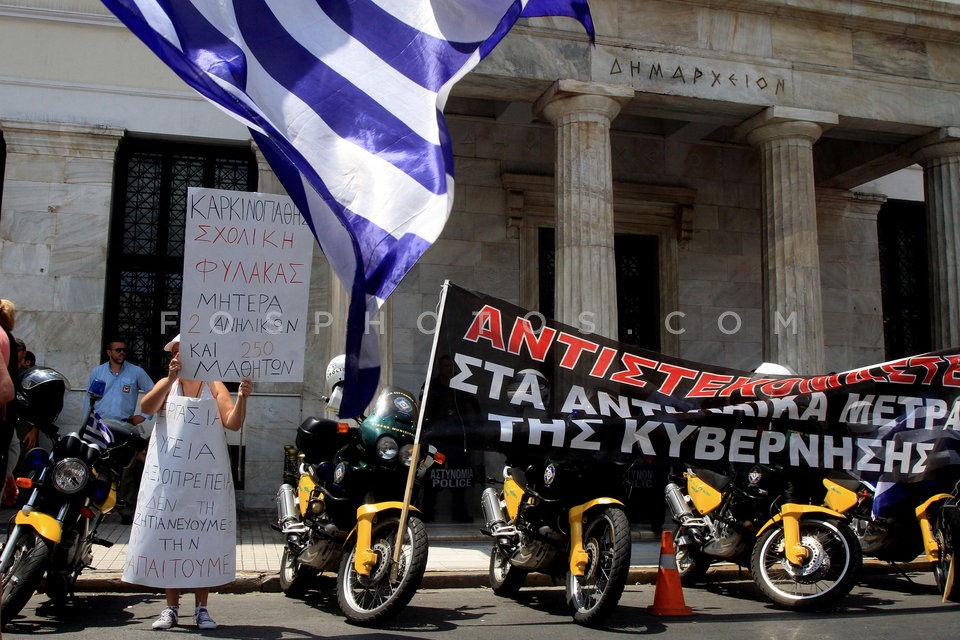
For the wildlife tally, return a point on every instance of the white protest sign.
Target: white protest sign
(246, 279)
(184, 532)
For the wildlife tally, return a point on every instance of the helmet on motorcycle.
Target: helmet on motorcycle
(40, 395)
(334, 381)
(522, 386)
(773, 368)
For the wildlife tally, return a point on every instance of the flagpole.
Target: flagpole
(415, 457)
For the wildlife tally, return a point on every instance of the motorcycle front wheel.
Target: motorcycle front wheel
(826, 576)
(606, 539)
(505, 579)
(370, 599)
(20, 579)
(946, 582)
(294, 577)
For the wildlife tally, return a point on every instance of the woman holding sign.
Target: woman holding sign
(184, 530)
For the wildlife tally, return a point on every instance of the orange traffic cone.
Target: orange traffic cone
(668, 598)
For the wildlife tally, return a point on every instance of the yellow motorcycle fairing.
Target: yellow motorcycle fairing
(578, 557)
(513, 496)
(46, 526)
(838, 497)
(365, 559)
(791, 514)
(704, 497)
(111, 500)
(930, 547)
(304, 490)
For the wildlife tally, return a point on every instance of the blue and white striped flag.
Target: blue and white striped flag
(345, 100)
(96, 432)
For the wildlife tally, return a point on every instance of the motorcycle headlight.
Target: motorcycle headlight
(406, 454)
(70, 475)
(387, 448)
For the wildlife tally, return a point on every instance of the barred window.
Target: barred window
(145, 259)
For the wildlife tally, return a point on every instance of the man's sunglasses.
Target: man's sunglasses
(119, 350)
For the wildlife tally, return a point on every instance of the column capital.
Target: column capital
(571, 96)
(942, 143)
(60, 138)
(774, 123)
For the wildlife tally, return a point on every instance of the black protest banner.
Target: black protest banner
(507, 379)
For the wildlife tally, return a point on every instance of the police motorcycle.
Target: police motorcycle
(947, 537)
(788, 525)
(565, 518)
(899, 521)
(910, 521)
(71, 488)
(790, 532)
(560, 518)
(344, 514)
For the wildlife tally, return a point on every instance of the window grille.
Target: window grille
(145, 259)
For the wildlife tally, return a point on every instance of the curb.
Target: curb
(252, 582)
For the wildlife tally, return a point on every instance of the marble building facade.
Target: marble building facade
(751, 140)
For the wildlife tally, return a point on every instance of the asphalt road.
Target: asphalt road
(882, 606)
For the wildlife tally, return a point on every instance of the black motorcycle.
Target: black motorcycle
(344, 514)
(947, 536)
(787, 526)
(71, 488)
(563, 518)
(920, 519)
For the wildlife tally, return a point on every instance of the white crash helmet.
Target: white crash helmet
(775, 369)
(523, 378)
(334, 382)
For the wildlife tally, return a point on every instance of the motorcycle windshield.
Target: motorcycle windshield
(395, 410)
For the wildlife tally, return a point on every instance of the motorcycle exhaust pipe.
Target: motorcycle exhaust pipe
(677, 502)
(287, 510)
(492, 511)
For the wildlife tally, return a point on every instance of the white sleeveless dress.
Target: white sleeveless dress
(184, 531)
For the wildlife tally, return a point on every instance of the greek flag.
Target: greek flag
(345, 100)
(96, 432)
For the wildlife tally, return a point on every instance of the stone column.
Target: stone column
(939, 155)
(586, 286)
(793, 308)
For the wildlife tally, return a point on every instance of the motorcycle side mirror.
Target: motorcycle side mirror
(119, 457)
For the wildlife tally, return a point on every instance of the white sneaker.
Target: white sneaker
(202, 617)
(168, 618)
